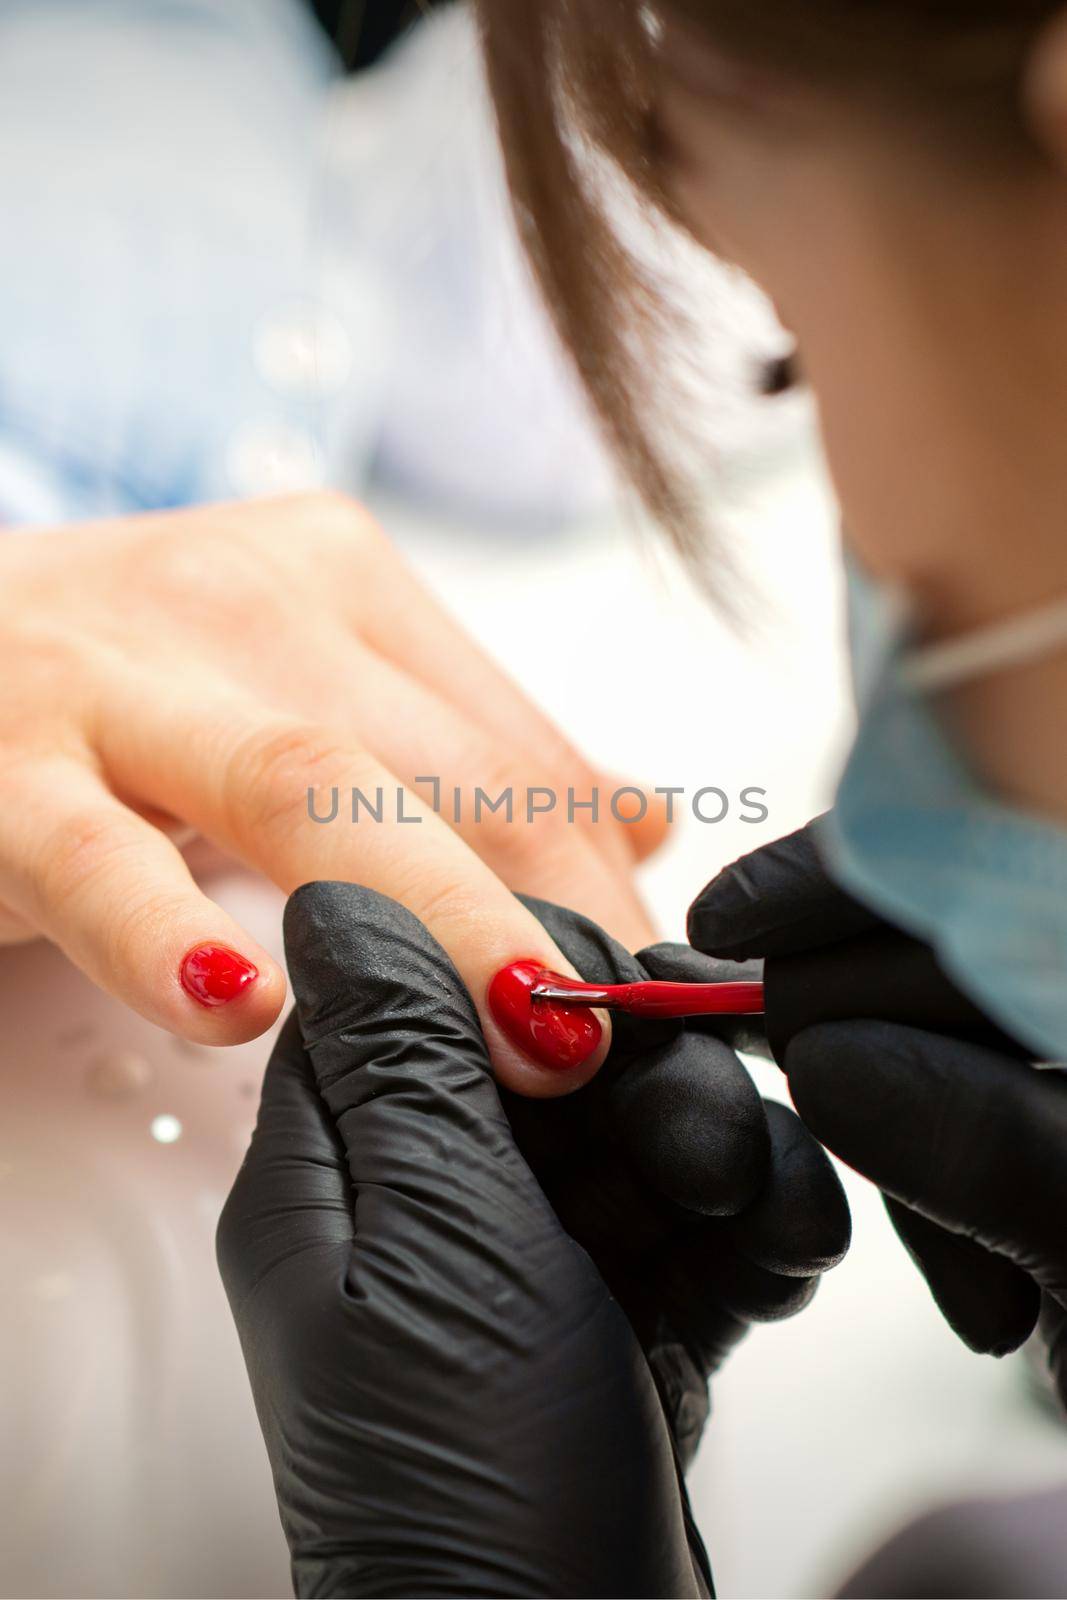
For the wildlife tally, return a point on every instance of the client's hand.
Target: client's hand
(206, 669)
(968, 1146)
(479, 1348)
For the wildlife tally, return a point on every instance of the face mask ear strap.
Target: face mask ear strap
(930, 668)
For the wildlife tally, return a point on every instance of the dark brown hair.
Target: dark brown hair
(574, 77)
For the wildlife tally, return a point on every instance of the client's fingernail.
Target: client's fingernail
(553, 1035)
(214, 975)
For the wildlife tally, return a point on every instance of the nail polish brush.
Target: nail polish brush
(883, 976)
(654, 998)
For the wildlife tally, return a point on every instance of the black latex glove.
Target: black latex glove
(969, 1146)
(452, 1399)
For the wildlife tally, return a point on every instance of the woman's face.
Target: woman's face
(928, 297)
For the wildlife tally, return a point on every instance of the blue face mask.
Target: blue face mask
(914, 834)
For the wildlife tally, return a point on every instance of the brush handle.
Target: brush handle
(654, 998)
(885, 976)
(687, 999)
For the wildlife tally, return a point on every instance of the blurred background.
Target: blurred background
(254, 246)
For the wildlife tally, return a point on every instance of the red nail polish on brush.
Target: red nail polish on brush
(214, 975)
(557, 1036)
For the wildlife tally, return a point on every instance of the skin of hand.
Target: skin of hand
(201, 671)
(968, 1146)
(478, 1326)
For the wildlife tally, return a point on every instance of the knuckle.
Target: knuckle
(75, 856)
(175, 567)
(339, 521)
(268, 775)
(444, 902)
(496, 781)
(345, 515)
(528, 849)
(210, 578)
(496, 812)
(20, 756)
(40, 664)
(306, 542)
(50, 686)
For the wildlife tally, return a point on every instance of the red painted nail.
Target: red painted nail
(553, 1035)
(214, 975)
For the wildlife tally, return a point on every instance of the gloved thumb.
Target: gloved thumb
(399, 1060)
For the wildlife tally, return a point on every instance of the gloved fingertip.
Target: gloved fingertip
(714, 923)
(677, 963)
(358, 958)
(799, 1223)
(694, 1125)
(787, 1297)
(681, 963)
(989, 1302)
(323, 930)
(993, 1330)
(326, 912)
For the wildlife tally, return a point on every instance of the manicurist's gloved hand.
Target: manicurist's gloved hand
(479, 1346)
(968, 1144)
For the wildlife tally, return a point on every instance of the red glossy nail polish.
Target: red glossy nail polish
(214, 975)
(557, 1036)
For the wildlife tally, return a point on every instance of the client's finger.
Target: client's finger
(394, 611)
(518, 815)
(241, 776)
(117, 897)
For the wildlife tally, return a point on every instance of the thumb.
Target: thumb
(967, 1137)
